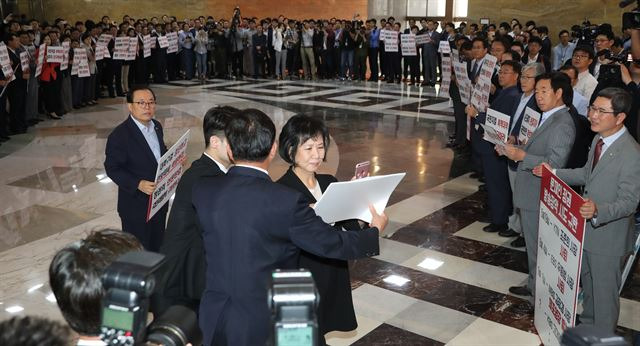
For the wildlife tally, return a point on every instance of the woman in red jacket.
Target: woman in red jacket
(48, 82)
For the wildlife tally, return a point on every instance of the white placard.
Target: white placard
(496, 126)
(338, 202)
(168, 175)
(121, 47)
(482, 89)
(24, 61)
(173, 42)
(462, 77)
(445, 47)
(387, 34)
(423, 39)
(530, 123)
(81, 60)
(41, 54)
(446, 75)
(391, 44)
(146, 46)
(65, 58)
(133, 48)
(5, 62)
(100, 52)
(104, 40)
(561, 232)
(55, 54)
(408, 44)
(163, 41)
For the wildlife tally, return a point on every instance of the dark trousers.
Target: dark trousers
(236, 63)
(150, 233)
(411, 63)
(271, 62)
(373, 64)
(51, 96)
(459, 114)
(328, 67)
(337, 59)
(98, 78)
(222, 67)
(392, 59)
(77, 87)
(360, 64)
(187, 62)
(172, 66)
(112, 69)
(258, 65)
(17, 94)
(160, 66)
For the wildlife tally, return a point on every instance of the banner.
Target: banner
(408, 44)
(168, 175)
(446, 75)
(496, 127)
(121, 47)
(529, 124)
(163, 41)
(55, 54)
(423, 39)
(5, 62)
(41, 55)
(172, 37)
(65, 58)
(133, 48)
(560, 237)
(146, 46)
(482, 89)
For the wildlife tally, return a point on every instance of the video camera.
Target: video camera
(128, 283)
(293, 299)
(585, 33)
(630, 20)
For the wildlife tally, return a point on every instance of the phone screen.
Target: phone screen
(362, 169)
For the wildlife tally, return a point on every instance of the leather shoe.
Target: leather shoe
(493, 228)
(508, 233)
(519, 242)
(520, 290)
(523, 308)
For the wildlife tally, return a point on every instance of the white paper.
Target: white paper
(496, 127)
(350, 199)
(482, 89)
(408, 44)
(529, 124)
(445, 47)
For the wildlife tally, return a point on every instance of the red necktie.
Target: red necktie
(596, 155)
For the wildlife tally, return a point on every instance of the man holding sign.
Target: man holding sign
(132, 153)
(611, 193)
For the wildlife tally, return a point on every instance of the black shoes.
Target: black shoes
(519, 242)
(508, 233)
(520, 291)
(493, 228)
(523, 308)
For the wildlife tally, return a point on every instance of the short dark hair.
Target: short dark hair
(607, 33)
(620, 99)
(542, 29)
(215, 120)
(75, 276)
(138, 88)
(515, 65)
(568, 67)
(562, 32)
(9, 37)
(559, 80)
(504, 42)
(250, 134)
(485, 43)
(33, 331)
(586, 49)
(535, 39)
(515, 56)
(517, 43)
(297, 130)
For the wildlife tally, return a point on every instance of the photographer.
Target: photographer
(75, 279)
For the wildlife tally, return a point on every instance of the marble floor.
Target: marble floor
(453, 277)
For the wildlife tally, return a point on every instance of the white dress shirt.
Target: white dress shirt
(586, 84)
(580, 102)
(150, 135)
(547, 114)
(523, 102)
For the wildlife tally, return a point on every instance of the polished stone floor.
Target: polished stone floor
(54, 191)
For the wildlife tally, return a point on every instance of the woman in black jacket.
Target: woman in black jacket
(303, 144)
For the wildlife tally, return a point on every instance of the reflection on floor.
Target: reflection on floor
(454, 278)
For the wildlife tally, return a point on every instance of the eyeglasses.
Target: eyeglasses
(523, 77)
(577, 56)
(593, 109)
(148, 104)
(505, 72)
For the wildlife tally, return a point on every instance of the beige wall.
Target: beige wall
(73, 10)
(556, 14)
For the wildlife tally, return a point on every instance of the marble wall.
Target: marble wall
(556, 14)
(82, 9)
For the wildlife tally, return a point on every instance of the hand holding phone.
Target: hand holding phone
(362, 169)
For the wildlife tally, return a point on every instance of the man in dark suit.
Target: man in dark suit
(17, 89)
(251, 226)
(132, 154)
(551, 142)
(184, 267)
(535, 54)
(611, 193)
(494, 166)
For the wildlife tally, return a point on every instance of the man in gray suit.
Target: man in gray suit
(551, 142)
(611, 193)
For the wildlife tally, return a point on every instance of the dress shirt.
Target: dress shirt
(254, 167)
(534, 59)
(547, 114)
(374, 39)
(221, 166)
(586, 84)
(608, 141)
(580, 102)
(561, 54)
(150, 135)
(307, 38)
(524, 99)
(316, 191)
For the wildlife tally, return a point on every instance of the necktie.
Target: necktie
(596, 155)
(474, 70)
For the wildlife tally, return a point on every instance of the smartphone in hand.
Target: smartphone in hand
(362, 169)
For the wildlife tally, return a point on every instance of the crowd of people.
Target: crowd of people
(585, 111)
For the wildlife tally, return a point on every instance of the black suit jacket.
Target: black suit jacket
(184, 267)
(128, 160)
(252, 226)
(506, 102)
(335, 311)
(541, 59)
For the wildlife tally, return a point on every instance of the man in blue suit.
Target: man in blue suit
(132, 154)
(252, 226)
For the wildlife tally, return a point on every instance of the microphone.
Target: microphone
(625, 3)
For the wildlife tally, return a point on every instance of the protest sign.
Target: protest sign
(121, 48)
(529, 124)
(496, 127)
(55, 54)
(408, 44)
(482, 89)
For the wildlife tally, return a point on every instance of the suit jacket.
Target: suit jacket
(184, 266)
(129, 160)
(335, 311)
(614, 187)
(505, 102)
(551, 142)
(541, 59)
(251, 226)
